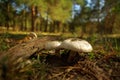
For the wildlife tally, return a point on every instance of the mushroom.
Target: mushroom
(75, 45)
(52, 45)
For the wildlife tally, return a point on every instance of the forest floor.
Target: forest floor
(101, 64)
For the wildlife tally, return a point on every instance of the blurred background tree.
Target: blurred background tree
(76, 16)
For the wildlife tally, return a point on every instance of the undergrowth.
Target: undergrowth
(3, 45)
(38, 69)
(32, 69)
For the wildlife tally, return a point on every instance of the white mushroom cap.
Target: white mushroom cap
(76, 45)
(52, 45)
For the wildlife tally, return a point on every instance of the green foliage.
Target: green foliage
(2, 20)
(35, 69)
(81, 2)
(91, 56)
(60, 10)
(3, 44)
(93, 38)
(40, 68)
(116, 45)
(16, 13)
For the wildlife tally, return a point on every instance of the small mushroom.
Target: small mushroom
(52, 45)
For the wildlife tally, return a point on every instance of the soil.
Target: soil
(84, 68)
(78, 67)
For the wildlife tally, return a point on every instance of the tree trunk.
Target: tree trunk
(32, 18)
(46, 22)
(109, 23)
(7, 16)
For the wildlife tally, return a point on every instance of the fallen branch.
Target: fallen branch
(24, 50)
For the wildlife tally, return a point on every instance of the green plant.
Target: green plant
(117, 47)
(33, 69)
(39, 68)
(93, 38)
(3, 44)
(91, 56)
